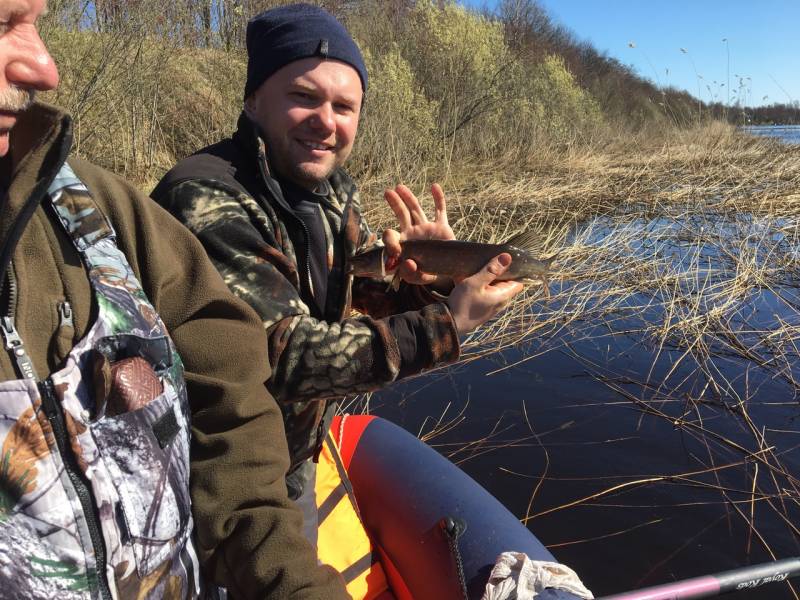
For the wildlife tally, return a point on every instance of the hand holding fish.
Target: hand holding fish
(480, 297)
(414, 225)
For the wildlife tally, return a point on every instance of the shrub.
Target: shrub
(398, 132)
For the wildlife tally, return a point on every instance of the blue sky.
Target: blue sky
(763, 42)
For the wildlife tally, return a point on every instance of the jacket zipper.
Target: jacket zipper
(50, 405)
(55, 416)
(16, 348)
(65, 318)
(11, 309)
(13, 342)
(307, 236)
(346, 212)
(262, 161)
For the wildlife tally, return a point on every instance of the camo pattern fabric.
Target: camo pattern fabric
(246, 236)
(136, 463)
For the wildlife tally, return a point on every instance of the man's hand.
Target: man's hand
(414, 225)
(479, 297)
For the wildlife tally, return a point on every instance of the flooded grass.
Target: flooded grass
(674, 307)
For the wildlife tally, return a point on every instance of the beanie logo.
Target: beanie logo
(323, 48)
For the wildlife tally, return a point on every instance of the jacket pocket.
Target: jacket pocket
(146, 452)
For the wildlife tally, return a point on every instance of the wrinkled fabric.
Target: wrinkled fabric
(515, 576)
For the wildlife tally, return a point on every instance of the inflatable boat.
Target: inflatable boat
(431, 531)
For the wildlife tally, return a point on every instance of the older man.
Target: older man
(279, 217)
(115, 324)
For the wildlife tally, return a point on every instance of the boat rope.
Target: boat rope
(453, 528)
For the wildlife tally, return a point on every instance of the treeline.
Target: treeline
(774, 114)
(149, 81)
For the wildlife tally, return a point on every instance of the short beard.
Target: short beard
(14, 99)
(309, 181)
(296, 173)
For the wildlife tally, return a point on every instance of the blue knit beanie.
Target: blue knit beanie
(288, 33)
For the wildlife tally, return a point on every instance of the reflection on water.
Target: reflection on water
(641, 458)
(786, 133)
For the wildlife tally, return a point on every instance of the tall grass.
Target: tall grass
(681, 250)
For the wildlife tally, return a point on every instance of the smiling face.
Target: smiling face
(308, 113)
(25, 65)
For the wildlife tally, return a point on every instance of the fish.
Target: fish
(456, 259)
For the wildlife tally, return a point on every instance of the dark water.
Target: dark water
(588, 416)
(786, 133)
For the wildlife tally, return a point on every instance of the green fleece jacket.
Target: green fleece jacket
(248, 531)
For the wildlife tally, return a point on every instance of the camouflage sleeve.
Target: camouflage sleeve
(310, 359)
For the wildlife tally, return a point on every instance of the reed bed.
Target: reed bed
(697, 226)
(691, 250)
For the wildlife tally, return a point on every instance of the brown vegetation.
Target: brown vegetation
(149, 83)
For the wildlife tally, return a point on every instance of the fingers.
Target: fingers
(407, 270)
(407, 208)
(492, 270)
(480, 297)
(413, 205)
(399, 209)
(391, 241)
(439, 203)
(410, 273)
(411, 219)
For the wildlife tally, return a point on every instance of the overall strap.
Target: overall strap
(77, 211)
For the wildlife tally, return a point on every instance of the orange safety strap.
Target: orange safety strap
(342, 541)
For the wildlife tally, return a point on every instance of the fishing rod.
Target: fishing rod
(745, 578)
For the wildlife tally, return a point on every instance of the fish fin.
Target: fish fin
(395, 284)
(525, 240)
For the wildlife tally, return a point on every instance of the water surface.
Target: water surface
(633, 468)
(786, 133)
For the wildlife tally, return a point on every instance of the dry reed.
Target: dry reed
(689, 247)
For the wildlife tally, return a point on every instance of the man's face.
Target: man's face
(25, 65)
(308, 113)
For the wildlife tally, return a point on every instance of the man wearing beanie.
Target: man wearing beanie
(279, 217)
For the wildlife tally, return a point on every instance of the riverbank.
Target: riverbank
(712, 165)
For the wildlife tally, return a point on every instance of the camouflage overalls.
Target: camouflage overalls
(93, 505)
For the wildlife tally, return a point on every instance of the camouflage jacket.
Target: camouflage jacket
(247, 532)
(226, 195)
